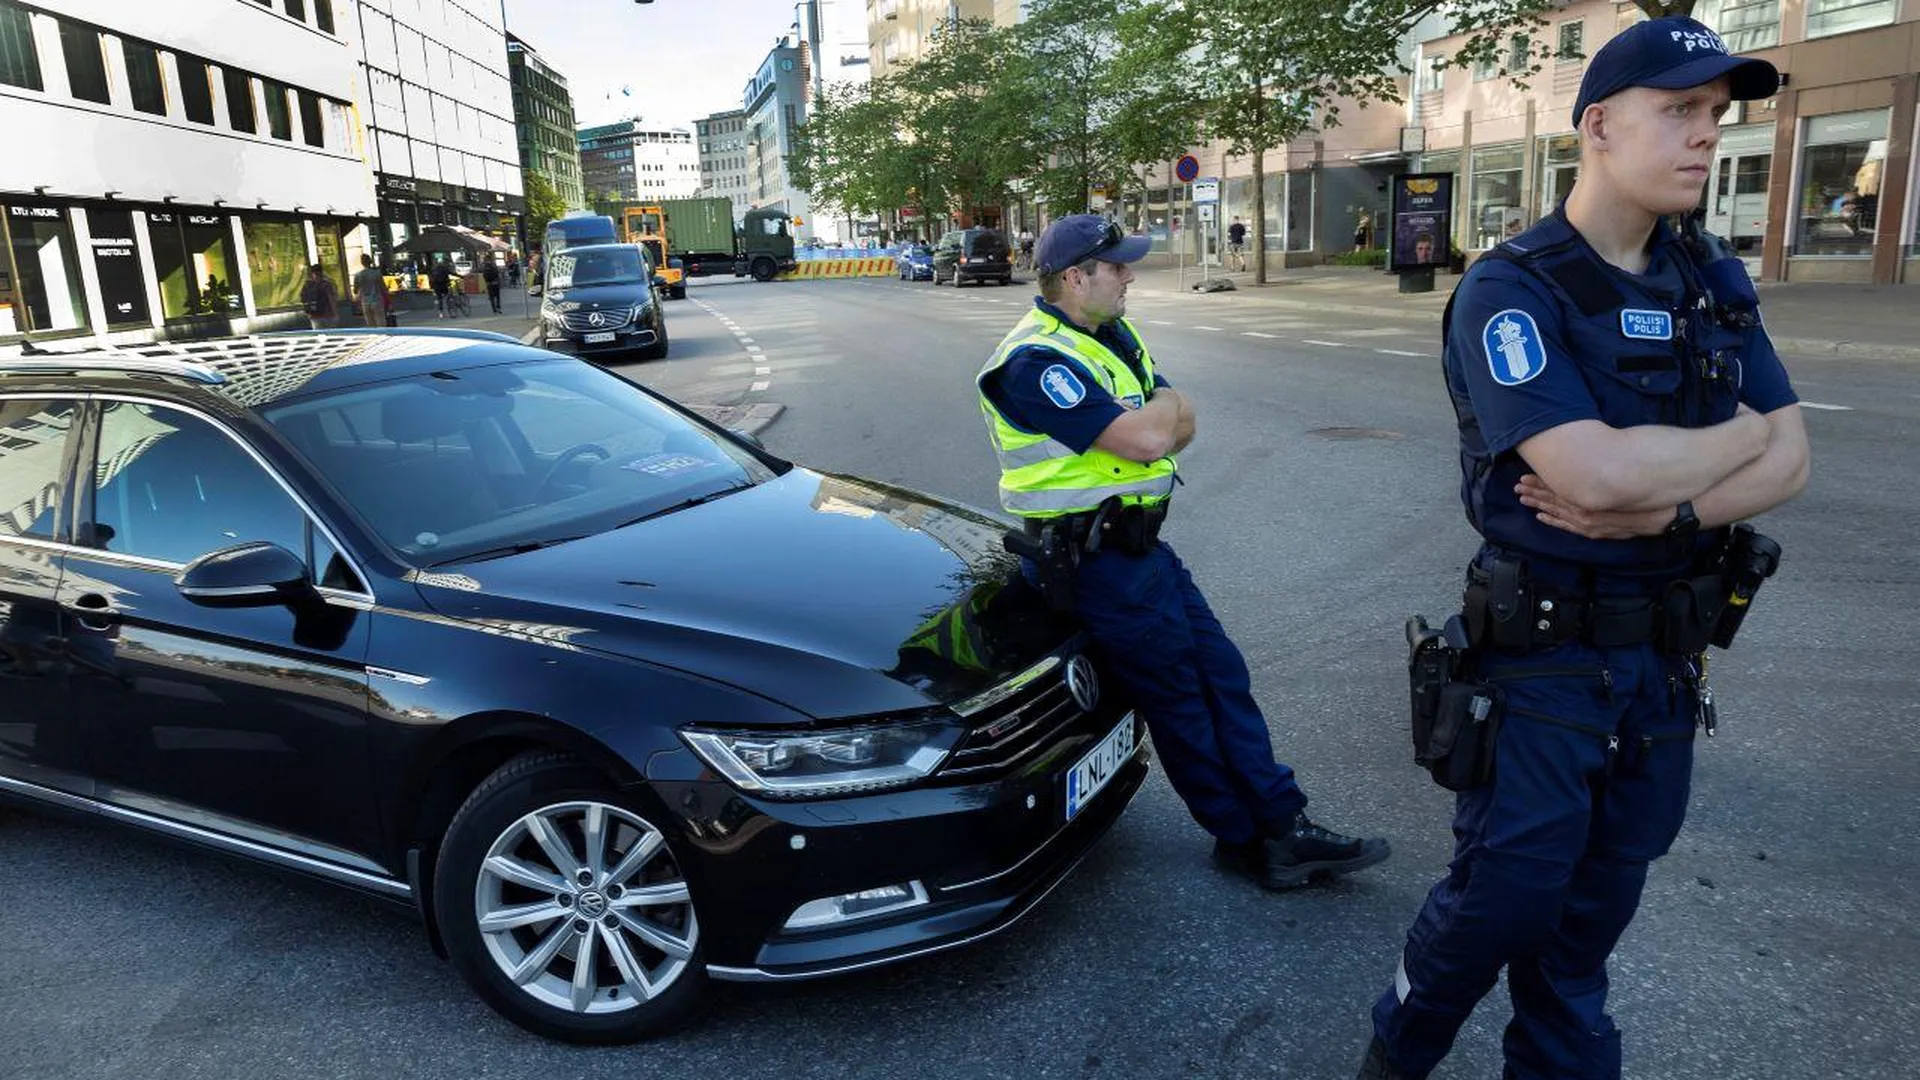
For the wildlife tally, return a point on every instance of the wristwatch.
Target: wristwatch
(1684, 524)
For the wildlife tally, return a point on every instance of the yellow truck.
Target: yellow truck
(646, 225)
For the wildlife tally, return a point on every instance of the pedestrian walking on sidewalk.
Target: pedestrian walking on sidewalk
(1620, 408)
(370, 289)
(320, 299)
(1237, 244)
(490, 273)
(440, 278)
(1086, 431)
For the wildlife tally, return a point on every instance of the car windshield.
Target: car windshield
(579, 268)
(454, 464)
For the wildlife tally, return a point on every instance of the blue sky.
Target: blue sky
(682, 59)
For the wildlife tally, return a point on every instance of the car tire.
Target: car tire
(679, 292)
(763, 269)
(648, 970)
(657, 350)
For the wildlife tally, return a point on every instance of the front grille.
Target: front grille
(1007, 734)
(581, 322)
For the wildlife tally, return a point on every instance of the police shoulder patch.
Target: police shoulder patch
(1515, 352)
(1062, 386)
(1646, 325)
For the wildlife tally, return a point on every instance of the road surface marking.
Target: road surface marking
(1829, 408)
(761, 385)
(763, 371)
(1403, 352)
(1256, 333)
(1215, 329)
(1328, 344)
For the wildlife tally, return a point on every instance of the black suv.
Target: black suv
(603, 300)
(618, 701)
(972, 255)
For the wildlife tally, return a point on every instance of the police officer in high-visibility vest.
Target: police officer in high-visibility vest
(1086, 432)
(1620, 410)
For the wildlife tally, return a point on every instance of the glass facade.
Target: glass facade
(1555, 166)
(1495, 211)
(116, 266)
(1745, 25)
(86, 62)
(44, 293)
(19, 61)
(1828, 17)
(193, 261)
(276, 261)
(1842, 168)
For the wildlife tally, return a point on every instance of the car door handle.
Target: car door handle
(94, 611)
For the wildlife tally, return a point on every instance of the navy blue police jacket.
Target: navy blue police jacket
(1543, 332)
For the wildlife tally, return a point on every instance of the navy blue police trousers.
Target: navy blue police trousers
(1180, 670)
(1592, 768)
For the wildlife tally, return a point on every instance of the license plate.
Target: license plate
(1099, 766)
(598, 339)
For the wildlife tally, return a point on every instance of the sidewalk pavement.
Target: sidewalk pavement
(1869, 321)
(519, 314)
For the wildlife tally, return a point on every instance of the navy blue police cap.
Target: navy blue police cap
(1673, 53)
(1074, 239)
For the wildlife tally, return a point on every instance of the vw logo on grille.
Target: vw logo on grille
(595, 319)
(1083, 683)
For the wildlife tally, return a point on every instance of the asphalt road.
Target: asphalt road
(1778, 940)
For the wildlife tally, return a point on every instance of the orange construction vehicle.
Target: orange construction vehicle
(646, 225)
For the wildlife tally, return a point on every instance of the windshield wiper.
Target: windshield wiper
(684, 504)
(501, 552)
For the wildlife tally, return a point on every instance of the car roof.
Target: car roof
(262, 369)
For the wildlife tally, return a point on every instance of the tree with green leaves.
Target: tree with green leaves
(544, 204)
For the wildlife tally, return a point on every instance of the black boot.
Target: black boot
(1297, 853)
(1377, 1067)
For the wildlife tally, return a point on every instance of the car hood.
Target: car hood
(597, 297)
(834, 596)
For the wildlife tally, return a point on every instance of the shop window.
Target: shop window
(276, 261)
(86, 62)
(116, 264)
(193, 260)
(1841, 172)
(1828, 17)
(1745, 25)
(1494, 209)
(279, 116)
(19, 62)
(148, 89)
(239, 89)
(1556, 167)
(33, 448)
(310, 121)
(196, 88)
(46, 276)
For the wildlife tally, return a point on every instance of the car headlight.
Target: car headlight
(810, 764)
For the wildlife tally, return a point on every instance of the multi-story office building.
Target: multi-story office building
(174, 168)
(543, 118)
(629, 161)
(440, 115)
(901, 31)
(1815, 184)
(723, 156)
(775, 105)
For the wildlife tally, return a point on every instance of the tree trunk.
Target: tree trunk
(1259, 224)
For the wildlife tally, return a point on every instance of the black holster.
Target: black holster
(1455, 718)
(1055, 553)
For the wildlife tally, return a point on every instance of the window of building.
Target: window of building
(1519, 54)
(193, 260)
(323, 15)
(1485, 68)
(1433, 76)
(279, 116)
(196, 88)
(116, 264)
(1494, 208)
(144, 82)
(45, 288)
(1745, 25)
(86, 62)
(239, 89)
(311, 124)
(1829, 17)
(173, 487)
(1841, 173)
(297, 9)
(19, 62)
(1573, 43)
(276, 260)
(33, 449)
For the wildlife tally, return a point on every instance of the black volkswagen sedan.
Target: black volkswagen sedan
(620, 702)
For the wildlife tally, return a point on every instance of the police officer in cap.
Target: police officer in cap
(1619, 408)
(1086, 431)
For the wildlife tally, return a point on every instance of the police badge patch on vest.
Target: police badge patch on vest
(1062, 386)
(1514, 351)
(1646, 325)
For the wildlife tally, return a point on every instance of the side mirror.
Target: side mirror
(248, 575)
(747, 437)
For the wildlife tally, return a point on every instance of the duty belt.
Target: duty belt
(1131, 529)
(1520, 615)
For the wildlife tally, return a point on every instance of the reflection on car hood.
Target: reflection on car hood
(834, 596)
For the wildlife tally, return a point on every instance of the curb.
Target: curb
(530, 336)
(746, 419)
